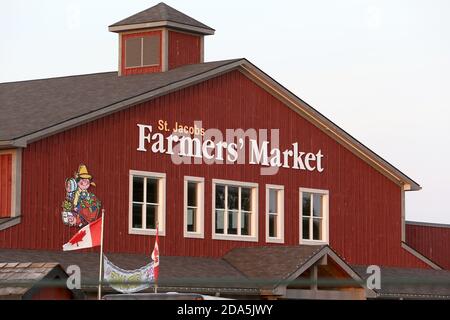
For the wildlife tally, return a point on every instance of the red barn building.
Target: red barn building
(431, 239)
(228, 163)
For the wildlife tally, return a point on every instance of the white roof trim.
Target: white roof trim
(420, 256)
(330, 128)
(158, 24)
(428, 224)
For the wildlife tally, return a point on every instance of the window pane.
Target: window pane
(306, 204)
(219, 221)
(151, 216)
(220, 197)
(232, 222)
(152, 190)
(133, 52)
(192, 194)
(246, 199)
(317, 229)
(151, 50)
(246, 223)
(191, 220)
(138, 189)
(273, 201)
(233, 198)
(317, 205)
(272, 225)
(137, 216)
(305, 228)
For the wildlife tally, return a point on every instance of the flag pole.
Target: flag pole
(156, 239)
(100, 275)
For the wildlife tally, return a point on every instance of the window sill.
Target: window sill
(143, 232)
(141, 67)
(313, 242)
(194, 235)
(235, 238)
(6, 223)
(274, 240)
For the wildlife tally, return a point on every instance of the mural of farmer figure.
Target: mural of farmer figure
(80, 207)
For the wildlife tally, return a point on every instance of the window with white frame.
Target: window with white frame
(313, 216)
(193, 207)
(274, 213)
(147, 202)
(235, 210)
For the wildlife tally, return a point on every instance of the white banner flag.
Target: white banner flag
(128, 281)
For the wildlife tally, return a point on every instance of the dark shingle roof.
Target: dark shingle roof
(411, 282)
(250, 269)
(25, 274)
(30, 106)
(274, 262)
(174, 271)
(161, 12)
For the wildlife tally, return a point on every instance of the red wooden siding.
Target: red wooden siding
(5, 185)
(53, 294)
(183, 49)
(365, 207)
(431, 241)
(140, 70)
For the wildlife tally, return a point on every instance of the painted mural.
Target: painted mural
(80, 206)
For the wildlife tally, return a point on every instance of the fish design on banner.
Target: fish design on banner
(128, 281)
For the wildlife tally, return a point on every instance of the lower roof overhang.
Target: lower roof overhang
(258, 272)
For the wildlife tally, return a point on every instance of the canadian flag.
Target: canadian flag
(87, 237)
(155, 257)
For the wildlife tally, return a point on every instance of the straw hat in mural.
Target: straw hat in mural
(83, 173)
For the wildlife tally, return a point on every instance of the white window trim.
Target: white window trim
(280, 213)
(161, 198)
(325, 219)
(16, 180)
(254, 226)
(200, 234)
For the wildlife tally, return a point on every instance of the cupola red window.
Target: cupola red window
(142, 51)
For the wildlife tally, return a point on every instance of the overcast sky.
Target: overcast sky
(379, 69)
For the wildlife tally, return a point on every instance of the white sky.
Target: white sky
(379, 69)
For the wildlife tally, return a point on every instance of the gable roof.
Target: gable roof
(17, 278)
(276, 267)
(161, 15)
(274, 262)
(23, 280)
(57, 104)
(48, 102)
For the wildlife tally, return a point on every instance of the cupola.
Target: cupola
(159, 39)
